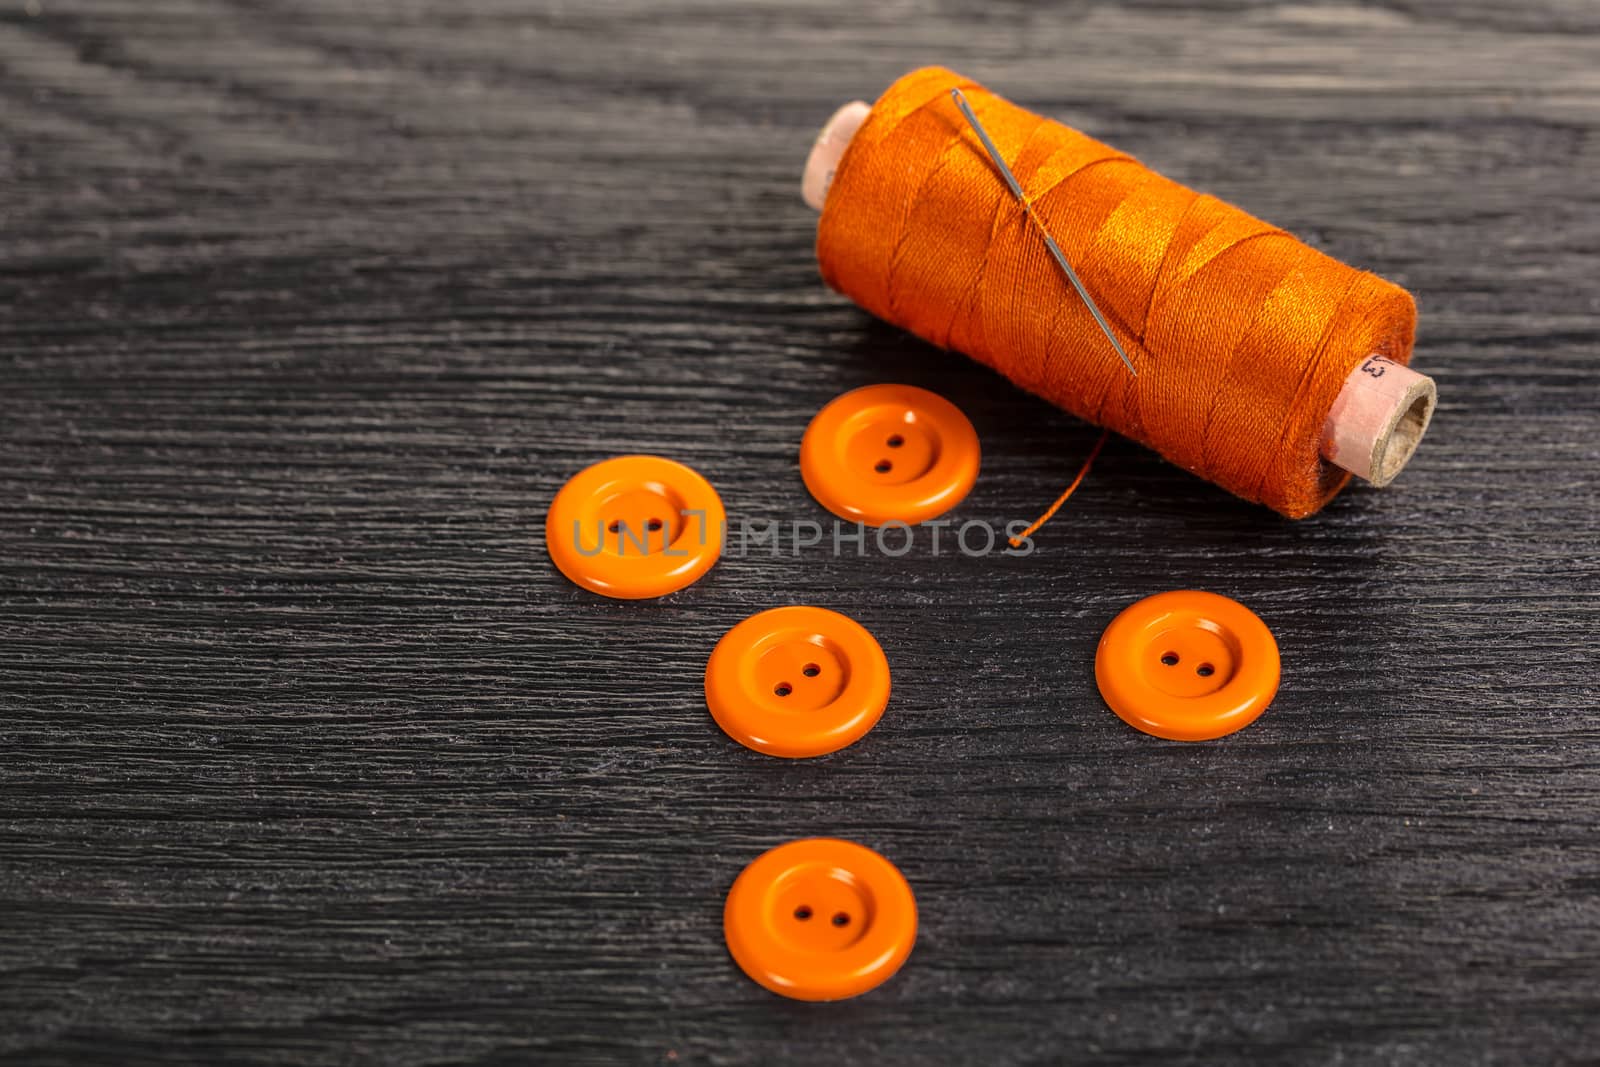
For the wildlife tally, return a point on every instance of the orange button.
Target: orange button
(820, 919)
(1187, 665)
(635, 527)
(797, 682)
(889, 452)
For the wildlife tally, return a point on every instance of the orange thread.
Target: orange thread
(1049, 512)
(1241, 334)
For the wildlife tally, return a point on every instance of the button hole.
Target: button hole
(1205, 670)
(1169, 658)
(883, 466)
(895, 441)
(802, 913)
(783, 689)
(654, 524)
(841, 919)
(614, 526)
(811, 670)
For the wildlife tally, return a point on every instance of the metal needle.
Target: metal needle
(1050, 243)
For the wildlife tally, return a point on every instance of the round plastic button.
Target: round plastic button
(635, 526)
(797, 682)
(1187, 665)
(820, 919)
(889, 452)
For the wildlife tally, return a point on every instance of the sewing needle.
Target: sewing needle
(1055, 250)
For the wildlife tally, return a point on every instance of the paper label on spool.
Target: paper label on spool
(1377, 419)
(836, 135)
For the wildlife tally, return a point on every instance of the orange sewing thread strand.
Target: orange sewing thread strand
(1242, 335)
(1050, 512)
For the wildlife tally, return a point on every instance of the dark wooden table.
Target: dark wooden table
(307, 754)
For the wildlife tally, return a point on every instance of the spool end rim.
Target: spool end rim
(1399, 441)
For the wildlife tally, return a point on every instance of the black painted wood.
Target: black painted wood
(308, 755)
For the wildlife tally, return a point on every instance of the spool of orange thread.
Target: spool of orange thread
(1263, 365)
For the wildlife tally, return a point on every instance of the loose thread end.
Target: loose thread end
(1016, 542)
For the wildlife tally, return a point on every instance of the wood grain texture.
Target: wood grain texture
(307, 755)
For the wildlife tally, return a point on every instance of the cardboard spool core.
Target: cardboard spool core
(1376, 421)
